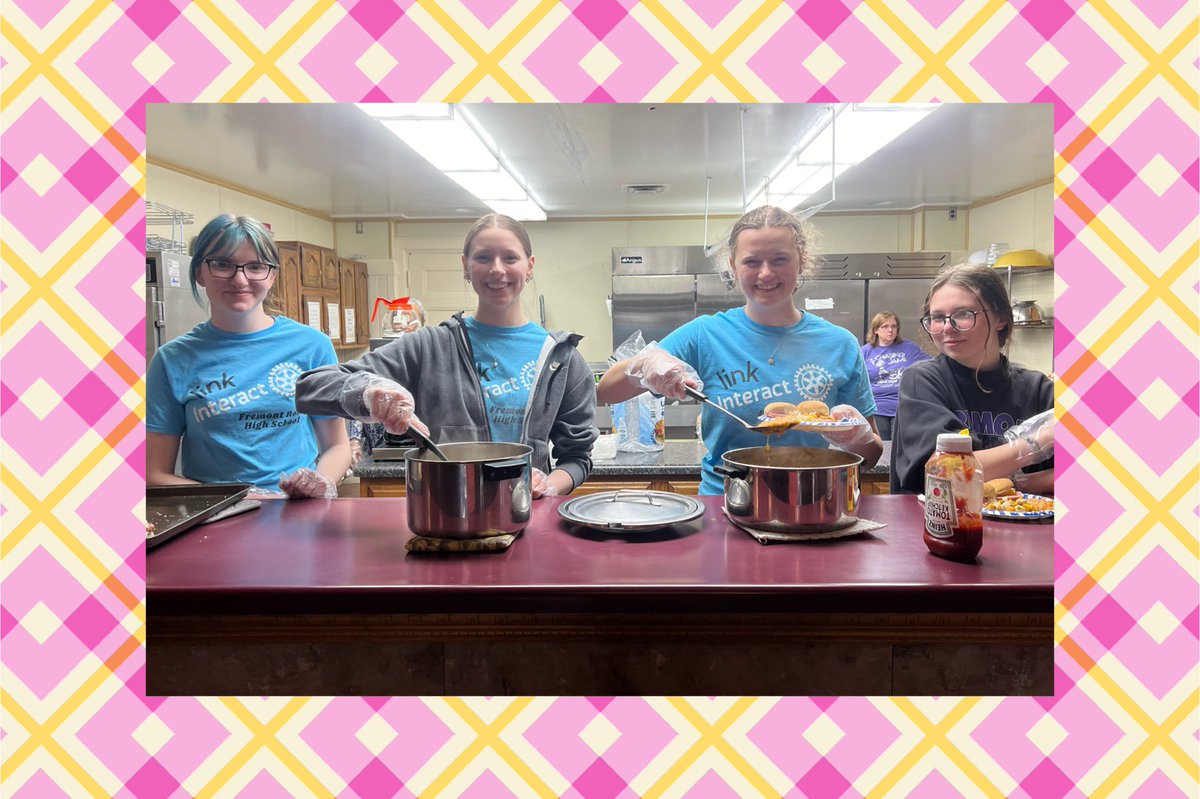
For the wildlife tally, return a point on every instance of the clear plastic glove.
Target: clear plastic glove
(370, 398)
(308, 484)
(655, 369)
(356, 451)
(540, 485)
(852, 435)
(1029, 482)
(1033, 439)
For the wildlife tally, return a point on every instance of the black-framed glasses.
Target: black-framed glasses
(959, 320)
(254, 270)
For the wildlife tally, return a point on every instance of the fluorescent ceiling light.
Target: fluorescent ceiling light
(407, 110)
(494, 185)
(525, 210)
(448, 144)
(861, 131)
(443, 135)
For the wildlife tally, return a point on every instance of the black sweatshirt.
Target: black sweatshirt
(941, 396)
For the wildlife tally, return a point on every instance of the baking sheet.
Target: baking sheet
(176, 509)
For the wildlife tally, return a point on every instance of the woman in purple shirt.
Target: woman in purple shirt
(886, 356)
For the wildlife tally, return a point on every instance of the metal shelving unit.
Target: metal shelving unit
(1021, 270)
(159, 214)
(1045, 324)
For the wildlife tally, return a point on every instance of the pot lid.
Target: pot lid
(631, 510)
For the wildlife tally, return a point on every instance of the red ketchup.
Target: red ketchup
(953, 500)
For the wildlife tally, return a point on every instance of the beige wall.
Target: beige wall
(573, 259)
(943, 233)
(572, 264)
(205, 200)
(1024, 221)
(373, 243)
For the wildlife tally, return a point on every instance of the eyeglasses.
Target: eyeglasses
(959, 320)
(255, 270)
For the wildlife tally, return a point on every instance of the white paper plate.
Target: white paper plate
(1025, 514)
(1012, 514)
(822, 427)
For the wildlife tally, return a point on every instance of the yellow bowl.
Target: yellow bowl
(1019, 259)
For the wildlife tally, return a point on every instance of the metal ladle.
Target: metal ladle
(766, 428)
(425, 442)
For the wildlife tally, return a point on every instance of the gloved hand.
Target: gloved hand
(308, 484)
(370, 398)
(655, 369)
(1033, 439)
(540, 485)
(1027, 482)
(851, 435)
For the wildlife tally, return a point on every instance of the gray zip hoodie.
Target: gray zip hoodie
(436, 364)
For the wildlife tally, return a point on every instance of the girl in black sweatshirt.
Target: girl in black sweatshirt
(972, 385)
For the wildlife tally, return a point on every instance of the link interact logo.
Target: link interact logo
(813, 381)
(282, 378)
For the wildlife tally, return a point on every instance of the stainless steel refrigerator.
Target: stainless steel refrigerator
(657, 289)
(170, 307)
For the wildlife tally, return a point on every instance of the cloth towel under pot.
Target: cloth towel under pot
(491, 543)
(860, 526)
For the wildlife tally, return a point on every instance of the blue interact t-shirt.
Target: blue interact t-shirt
(814, 360)
(506, 359)
(231, 396)
(884, 365)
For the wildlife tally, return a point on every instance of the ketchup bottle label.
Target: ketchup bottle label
(941, 514)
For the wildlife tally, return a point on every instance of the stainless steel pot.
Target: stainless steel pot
(482, 490)
(791, 489)
(1027, 312)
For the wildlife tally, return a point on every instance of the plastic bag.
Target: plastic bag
(638, 422)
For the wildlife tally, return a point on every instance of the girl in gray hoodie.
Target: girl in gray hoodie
(493, 376)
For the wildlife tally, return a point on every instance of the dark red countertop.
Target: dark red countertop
(348, 556)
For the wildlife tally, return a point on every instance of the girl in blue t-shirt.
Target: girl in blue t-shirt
(224, 391)
(886, 356)
(493, 376)
(766, 351)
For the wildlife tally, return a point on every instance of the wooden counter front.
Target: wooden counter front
(320, 597)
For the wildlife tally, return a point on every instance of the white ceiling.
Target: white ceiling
(574, 159)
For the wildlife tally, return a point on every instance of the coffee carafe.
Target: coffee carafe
(399, 317)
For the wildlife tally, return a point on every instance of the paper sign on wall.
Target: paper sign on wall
(349, 336)
(314, 315)
(811, 304)
(173, 278)
(335, 330)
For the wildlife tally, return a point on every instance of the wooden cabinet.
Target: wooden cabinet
(330, 271)
(674, 483)
(391, 487)
(312, 310)
(314, 284)
(285, 294)
(312, 265)
(874, 484)
(362, 294)
(354, 298)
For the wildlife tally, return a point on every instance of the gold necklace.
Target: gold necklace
(771, 358)
(782, 338)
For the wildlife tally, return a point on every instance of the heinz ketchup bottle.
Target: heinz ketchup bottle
(953, 499)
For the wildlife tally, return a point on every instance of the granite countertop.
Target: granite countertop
(675, 458)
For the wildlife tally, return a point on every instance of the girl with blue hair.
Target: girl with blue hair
(224, 391)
